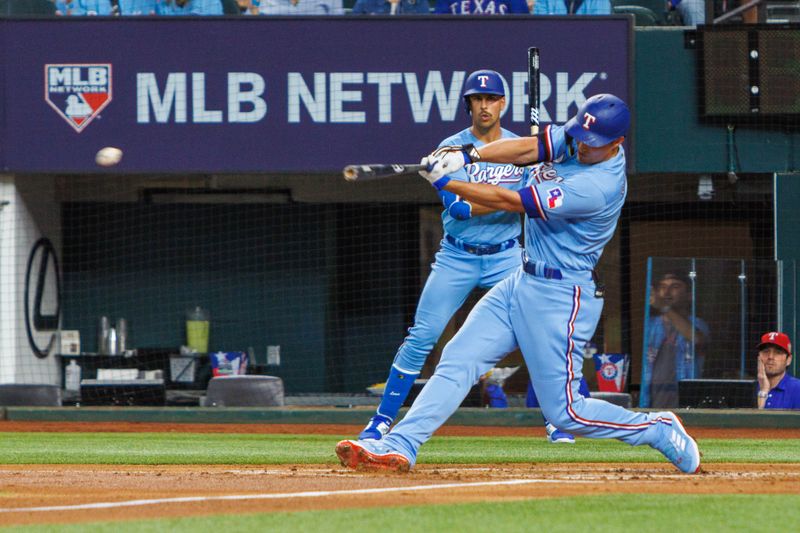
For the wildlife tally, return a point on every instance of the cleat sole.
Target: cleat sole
(356, 457)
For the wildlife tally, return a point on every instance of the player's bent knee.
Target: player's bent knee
(458, 371)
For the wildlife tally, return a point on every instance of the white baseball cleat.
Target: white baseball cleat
(676, 444)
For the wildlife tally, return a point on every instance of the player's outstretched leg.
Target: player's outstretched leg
(371, 455)
(394, 395)
(675, 443)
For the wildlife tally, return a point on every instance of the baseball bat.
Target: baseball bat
(534, 95)
(378, 171)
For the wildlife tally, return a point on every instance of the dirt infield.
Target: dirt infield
(56, 488)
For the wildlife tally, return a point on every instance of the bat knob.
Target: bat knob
(350, 173)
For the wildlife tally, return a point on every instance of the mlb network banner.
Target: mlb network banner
(274, 95)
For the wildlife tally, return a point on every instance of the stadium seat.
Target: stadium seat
(658, 7)
(642, 15)
(663, 17)
(617, 398)
(245, 391)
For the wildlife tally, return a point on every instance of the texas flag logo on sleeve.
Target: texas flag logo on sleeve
(77, 91)
(555, 197)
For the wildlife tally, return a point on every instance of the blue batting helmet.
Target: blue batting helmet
(483, 82)
(600, 120)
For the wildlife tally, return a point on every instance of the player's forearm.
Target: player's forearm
(480, 209)
(519, 151)
(488, 196)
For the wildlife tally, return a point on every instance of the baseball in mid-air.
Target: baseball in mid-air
(108, 156)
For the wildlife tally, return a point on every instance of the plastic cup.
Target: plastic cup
(197, 330)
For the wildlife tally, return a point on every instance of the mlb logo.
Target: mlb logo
(77, 91)
(554, 197)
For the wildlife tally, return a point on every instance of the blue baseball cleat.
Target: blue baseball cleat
(377, 427)
(371, 455)
(676, 444)
(556, 436)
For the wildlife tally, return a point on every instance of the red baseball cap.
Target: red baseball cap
(781, 340)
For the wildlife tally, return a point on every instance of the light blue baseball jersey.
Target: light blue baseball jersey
(560, 7)
(571, 218)
(83, 7)
(192, 7)
(137, 7)
(306, 7)
(688, 365)
(496, 227)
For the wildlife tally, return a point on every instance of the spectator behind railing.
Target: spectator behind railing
(691, 12)
(249, 7)
(188, 7)
(302, 7)
(137, 7)
(570, 7)
(480, 7)
(676, 341)
(84, 7)
(777, 389)
(389, 7)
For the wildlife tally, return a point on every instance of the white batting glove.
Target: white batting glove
(446, 160)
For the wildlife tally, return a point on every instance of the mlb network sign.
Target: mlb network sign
(77, 91)
(289, 110)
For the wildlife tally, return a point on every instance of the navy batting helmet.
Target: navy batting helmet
(483, 82)
(600, 120)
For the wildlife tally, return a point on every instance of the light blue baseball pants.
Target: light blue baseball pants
(550, 321)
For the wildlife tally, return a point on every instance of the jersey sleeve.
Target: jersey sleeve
(552, 143)
(576, 198)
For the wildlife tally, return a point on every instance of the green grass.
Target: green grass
(249, 449)
(666, 513)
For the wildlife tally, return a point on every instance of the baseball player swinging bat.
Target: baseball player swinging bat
(379, 171)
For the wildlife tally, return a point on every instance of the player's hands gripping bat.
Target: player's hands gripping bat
(446, 160)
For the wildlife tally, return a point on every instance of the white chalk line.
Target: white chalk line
(311, 494)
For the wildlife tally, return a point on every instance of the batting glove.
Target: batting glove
(446, 160)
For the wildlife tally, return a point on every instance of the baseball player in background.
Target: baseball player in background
(479, 249)
(549, 307)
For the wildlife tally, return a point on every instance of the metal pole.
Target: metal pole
(742, 317)
(646, 333)
(693, 320)
(734, 12)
